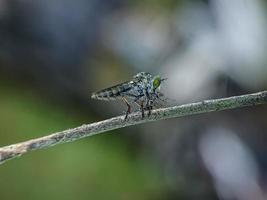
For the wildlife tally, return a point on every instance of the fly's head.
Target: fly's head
(154, 94)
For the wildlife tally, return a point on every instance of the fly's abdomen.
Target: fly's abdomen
(111, 93)
(104, 95)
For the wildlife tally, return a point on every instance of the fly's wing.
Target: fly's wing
(113, 92)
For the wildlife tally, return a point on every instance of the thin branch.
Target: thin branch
(15, 150)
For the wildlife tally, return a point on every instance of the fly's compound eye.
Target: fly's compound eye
(156, 82)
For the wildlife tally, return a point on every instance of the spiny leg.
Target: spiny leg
(128, 109)
(141, 105)
(149, 107)
(149, 110)
(142, 109)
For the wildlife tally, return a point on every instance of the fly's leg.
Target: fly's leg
(149, 102)
(128, 109)
(141, 105)
(149, 110)
(149, 107)
(142, 109)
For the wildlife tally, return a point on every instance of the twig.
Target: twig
(15, 150)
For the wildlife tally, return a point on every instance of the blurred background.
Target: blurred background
(55, 53)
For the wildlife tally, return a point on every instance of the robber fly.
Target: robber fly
(143, 90)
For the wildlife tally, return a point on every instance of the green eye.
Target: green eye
(156, 82)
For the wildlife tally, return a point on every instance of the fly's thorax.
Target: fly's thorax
(135, 91)
(142, 76)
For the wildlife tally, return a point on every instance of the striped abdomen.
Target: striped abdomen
(112, 93)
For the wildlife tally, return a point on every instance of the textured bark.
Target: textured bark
(15, 150)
